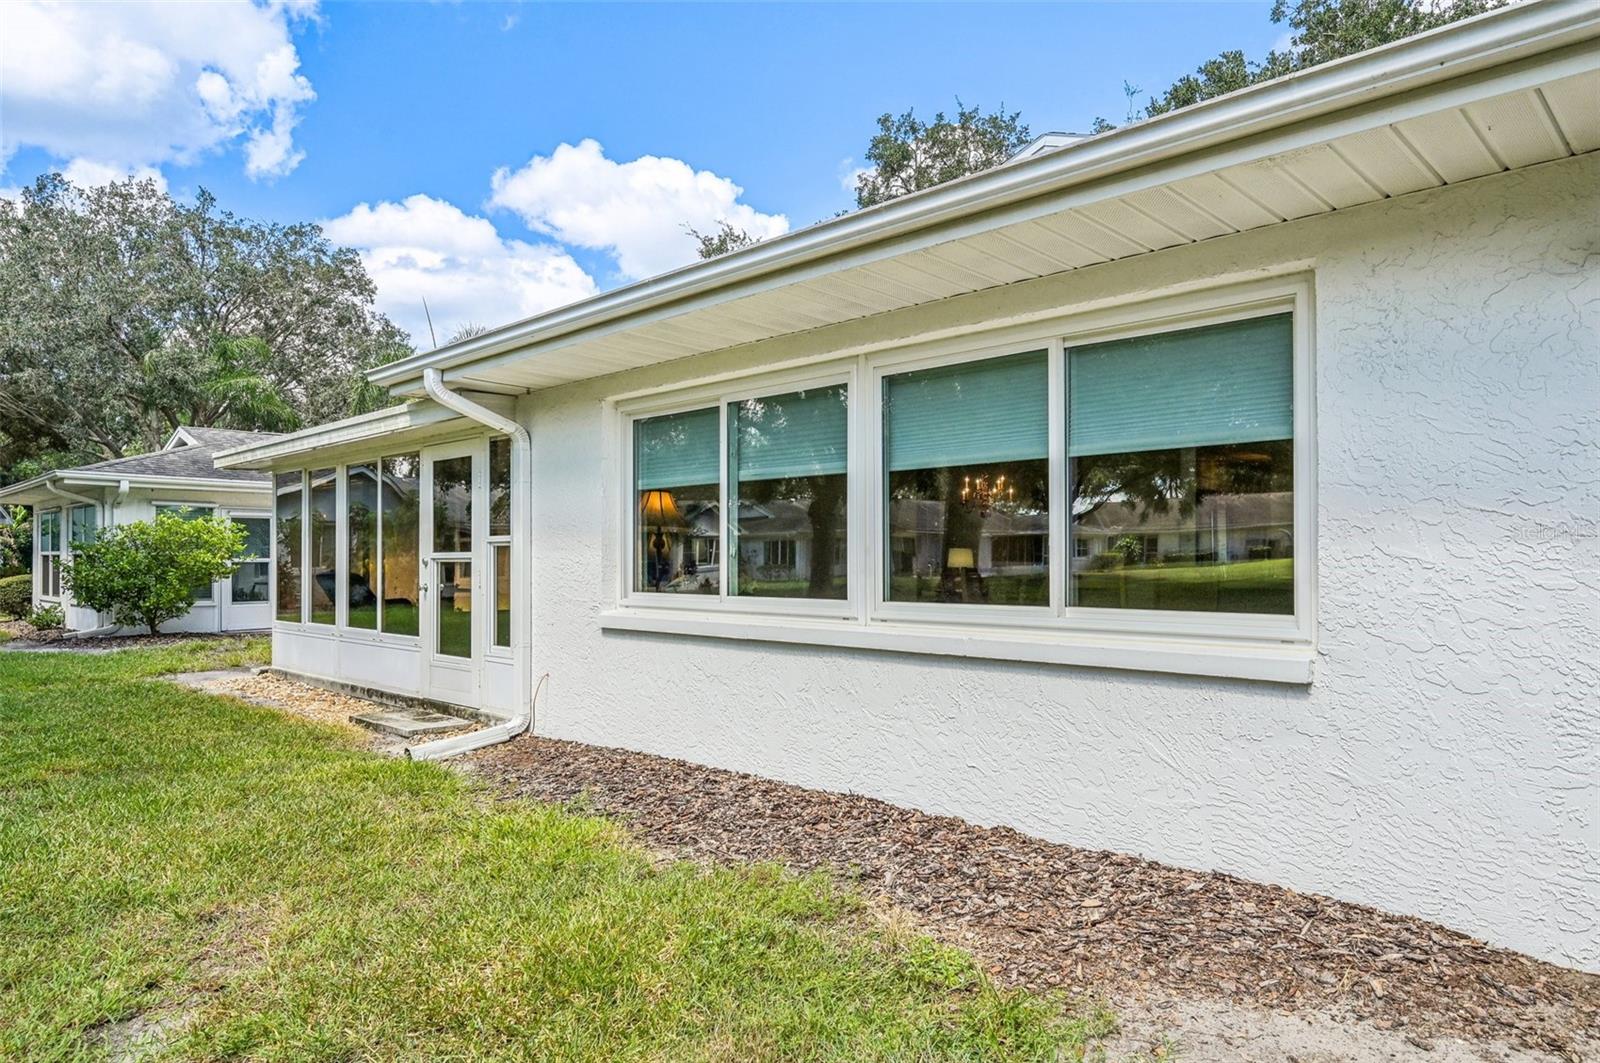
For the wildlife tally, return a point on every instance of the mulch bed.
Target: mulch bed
(1053, 916)
(26, 637)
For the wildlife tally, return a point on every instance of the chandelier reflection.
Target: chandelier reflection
(984, 494)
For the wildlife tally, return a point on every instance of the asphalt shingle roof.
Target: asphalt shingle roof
(188, 462)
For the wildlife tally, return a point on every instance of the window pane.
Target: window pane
(257, 536)
(787, 456)
(400, 516)
(502, 595)
(249, 582)
(452, 505)
(324, 545)
(966, 454)
(1182, 470)
(183, 511)
(287, 558)
(455, 608)
(500, 486)
(82, 524)
(361, 516)
(677, 474)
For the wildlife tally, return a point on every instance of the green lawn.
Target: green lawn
(1237, 587)
(277, 893)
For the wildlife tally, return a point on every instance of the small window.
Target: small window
(50, 553)
(81, 524)
(502, 594)
(1181, 457)
(499, 486)
(250, 574)
(966, 458)
(677, 477)
(287, 559)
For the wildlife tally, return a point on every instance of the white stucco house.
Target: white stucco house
(1308, 373)
(70, 505)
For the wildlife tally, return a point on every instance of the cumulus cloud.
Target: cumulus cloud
(87, 173)
(131, 86)
(634, 210)
(425, 248)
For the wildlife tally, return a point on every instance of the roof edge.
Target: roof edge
(1484, 41)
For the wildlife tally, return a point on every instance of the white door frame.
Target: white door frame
(227, 609)
(457, 680)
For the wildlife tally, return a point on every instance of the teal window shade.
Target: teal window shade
(803, 433)
(1231, 383)
(676, 450)
(973, 413)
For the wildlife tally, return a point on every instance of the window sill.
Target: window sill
(1265, 661)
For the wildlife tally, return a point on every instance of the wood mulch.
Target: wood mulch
(1052, 916)
(25, 636)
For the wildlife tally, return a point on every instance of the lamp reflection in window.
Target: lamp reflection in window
(657, 512)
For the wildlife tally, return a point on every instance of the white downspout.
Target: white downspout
(521, 585)
(66, 528)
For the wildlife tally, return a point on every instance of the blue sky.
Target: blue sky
(295, 112)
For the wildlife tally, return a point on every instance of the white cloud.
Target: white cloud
(635, 210)
(425, 248)
(87, 173)
(849, 173)
(138, 85)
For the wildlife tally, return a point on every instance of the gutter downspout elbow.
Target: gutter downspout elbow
(521, 587)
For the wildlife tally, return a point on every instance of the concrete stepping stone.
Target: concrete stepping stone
(409, 723)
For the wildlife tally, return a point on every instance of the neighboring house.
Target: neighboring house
(71, 505)
(1315, 362)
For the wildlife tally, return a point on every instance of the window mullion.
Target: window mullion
(722, 501)
(1059, 556)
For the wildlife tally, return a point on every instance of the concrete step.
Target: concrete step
(409, 723)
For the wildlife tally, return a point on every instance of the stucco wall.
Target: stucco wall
(1446, 760)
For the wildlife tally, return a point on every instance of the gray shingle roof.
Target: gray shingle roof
(187, 462)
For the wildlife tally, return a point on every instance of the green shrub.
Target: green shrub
(16, 596)
(47, 618)
(145, 573)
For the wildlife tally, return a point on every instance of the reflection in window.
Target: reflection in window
(455, 608)
(452, 505)
(1182, 470)
(81, 525)
(500, 486)
(502, 594)
(324, 545)
(787, 456)
(398, 585)
(249, 580)
(361, 515)
(966, 462)
(676, 473)
(287, 557)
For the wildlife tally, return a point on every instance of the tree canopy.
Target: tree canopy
(907, 154)
(125, 314)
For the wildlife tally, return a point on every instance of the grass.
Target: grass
(261, 887)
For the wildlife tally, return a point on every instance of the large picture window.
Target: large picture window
(1182, 469)
(1099, 475)
(677, 477)
(287, 557)
(967, 479)
(787, 460)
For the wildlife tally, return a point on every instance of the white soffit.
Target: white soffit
(1531, 111)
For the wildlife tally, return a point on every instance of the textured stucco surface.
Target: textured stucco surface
(1446, 760)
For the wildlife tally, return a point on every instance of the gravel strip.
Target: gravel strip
(1054, 916)
(298, 699)
(26, 637)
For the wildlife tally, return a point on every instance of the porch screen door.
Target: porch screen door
(452, 598)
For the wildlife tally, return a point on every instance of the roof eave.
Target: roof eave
(1490, 40)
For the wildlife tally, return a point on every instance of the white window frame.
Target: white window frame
(253, 559)
(60, 537)
(492, 564)
(1260, 646)
(720, 396)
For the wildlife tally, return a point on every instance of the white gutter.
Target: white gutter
(1493, 39)
(521, 584)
